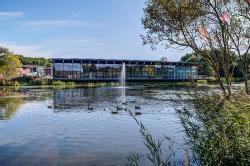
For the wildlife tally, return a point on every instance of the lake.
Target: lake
(77, 127)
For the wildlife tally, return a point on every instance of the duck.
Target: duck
(137, 113)
(90, 107)
(50, 107)
(105, 109)
(114, 112)
(137, 107)
(119, 108)
(124, 103)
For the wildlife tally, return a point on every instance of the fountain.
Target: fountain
(123, 84)
(123, 75)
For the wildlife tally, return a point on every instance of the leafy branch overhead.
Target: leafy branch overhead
(219, 26)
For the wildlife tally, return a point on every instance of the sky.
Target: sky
(78, 29)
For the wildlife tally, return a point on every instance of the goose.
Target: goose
(114, 112)
(124, 103)
(90, 107)
(137, 113)
(119, 108)
(137, 107)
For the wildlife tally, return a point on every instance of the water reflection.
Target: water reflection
(8, 107)
(11, 99)
(55, 126)
(109, 98)
(101, 99)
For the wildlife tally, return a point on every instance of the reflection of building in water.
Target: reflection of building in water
(110, 70)
(80, 98)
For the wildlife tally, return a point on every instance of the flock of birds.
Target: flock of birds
(119, 108)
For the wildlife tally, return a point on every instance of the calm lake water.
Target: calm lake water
(55, 127)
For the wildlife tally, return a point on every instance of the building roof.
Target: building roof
(116, 61)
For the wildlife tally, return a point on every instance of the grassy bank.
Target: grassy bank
(218, 130)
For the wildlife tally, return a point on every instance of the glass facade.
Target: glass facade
(88, 71)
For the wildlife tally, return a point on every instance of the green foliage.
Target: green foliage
(202, 82)
(154, 148)
(211, 79)
(9, 64)
(219, 130)
(199, 25)
(35, 61)
(40, 82)
(70, 84)
(58, 83)
(133, 159)
(16, 84)
(29, 81)
(204, 68)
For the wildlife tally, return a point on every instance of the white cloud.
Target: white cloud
(56, 23)
(63, 23)
(10, 15)
(27, 49)
(68, 47)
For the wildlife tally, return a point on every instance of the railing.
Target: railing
(201, 77)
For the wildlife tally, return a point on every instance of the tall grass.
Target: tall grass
(218, 130)
(155, 153)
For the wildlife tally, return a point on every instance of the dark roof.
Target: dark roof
(116, 61)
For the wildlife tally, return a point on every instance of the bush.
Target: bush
(58, 83)
(238, 79)
(219, 130)
(40, 82)
(16, 83)
(70, 84)
(211, 79)
(203, 82)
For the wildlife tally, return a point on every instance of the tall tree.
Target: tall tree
(9, 64)
(238, 29)
(199, 25)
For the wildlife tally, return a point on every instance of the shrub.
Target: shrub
(203, 82)
(58, 83)
(238, 79)
(39, 82)
(218, 130)
(70, 84)
(211, 79)
(16, 83)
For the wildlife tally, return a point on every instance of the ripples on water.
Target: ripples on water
(55, 127)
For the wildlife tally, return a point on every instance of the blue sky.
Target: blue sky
(77, 29)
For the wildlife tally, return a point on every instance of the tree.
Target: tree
(35, 61)
(9, 64)
(204, 68)
(199, 25)
(238, 30)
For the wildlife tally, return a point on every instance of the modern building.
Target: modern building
(35, 71)
(110, 70)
